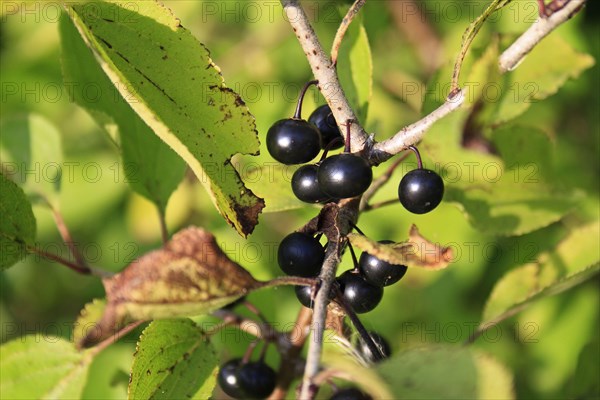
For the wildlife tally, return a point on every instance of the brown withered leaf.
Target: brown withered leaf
(415, 252)
(189, 276)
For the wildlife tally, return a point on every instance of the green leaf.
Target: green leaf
(444, 372)
(42, 367)
(151, 167)
(511, 208)
(538, 159)
(472, 31)
(174, 360)
(32, 156)
(536, 78)
(17, 225)
(170, 81)
(355, 68)
(575, 259)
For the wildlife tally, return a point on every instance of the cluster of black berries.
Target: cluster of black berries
(254, 380)
(297, 141)
(301, 254)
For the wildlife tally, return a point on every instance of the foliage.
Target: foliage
(137, 100)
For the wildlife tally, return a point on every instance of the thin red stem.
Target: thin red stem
(298, 113)
(60, 260)
(418, 155)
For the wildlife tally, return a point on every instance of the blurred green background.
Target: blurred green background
(552, 347)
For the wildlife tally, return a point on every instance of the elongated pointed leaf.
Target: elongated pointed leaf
(174, 360)
(42, 367)
(472, 31)
(151, 167)
(189, 276)
(171, 82)
(17, 225)
(355, 68)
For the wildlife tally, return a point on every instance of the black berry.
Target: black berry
(304, 295)
(300, 254)
(293, 141)
(344, 175)
(379, 272)
(228, 379)
(323, 119)
(384, 347)
(421, 190)
(358, 293)
(257, 379)
(350, 394)
(305, 185)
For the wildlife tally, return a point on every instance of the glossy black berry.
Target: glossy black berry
(304, 295)
(257, 379)
(358, 293)
(305, 185)
(323, 119)
(228, 379)
(344, 175)
(350, 394)
(379, 272)
(300, 254)
(421, 190)
(293, 141)
(384, 348)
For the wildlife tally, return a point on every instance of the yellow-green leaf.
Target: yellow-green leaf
(170, 81)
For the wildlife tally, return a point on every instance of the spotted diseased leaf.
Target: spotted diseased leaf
(417, 251)
(173, 360)
(189, 276)
(169, 79)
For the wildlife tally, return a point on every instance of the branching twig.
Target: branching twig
(415, 132)
(512, 56)
(323, 71)
(339, 35)
(313, 356)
